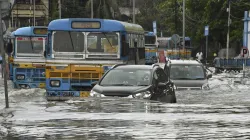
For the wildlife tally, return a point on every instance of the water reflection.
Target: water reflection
(220, 113)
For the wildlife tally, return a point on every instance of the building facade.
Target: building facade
(28, 13)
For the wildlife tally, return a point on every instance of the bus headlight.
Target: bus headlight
(55, 83)
(95, 94)
(20, 77)
(142, 95)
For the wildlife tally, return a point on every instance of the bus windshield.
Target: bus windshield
(64, 41)
(102, 43)
(30, 45)
(150, 40)
(163, 43)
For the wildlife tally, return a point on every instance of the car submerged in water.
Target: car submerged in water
(187, 74)
(135, 81)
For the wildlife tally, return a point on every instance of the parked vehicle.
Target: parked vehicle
(81, 50)
(151, 48)
(136, 81)
(188, 74)
(26, 59)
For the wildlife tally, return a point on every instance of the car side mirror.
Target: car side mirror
(209, 76)
(160, 84)
(94, 83)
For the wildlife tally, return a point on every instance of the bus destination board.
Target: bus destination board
(40, 31)
(86, 25)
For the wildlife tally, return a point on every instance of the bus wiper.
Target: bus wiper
(71, 41)
(108, 39)
(31, 42)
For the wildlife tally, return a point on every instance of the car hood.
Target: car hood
(191, 84)
(122, 91)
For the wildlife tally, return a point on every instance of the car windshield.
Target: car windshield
(189, 72)
(127, 77)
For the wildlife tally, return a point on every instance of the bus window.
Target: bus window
(150, 39)
(100, 42)
(163, 43)
(29, 45)
(68, 41)
(187, 43)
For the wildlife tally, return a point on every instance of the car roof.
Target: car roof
(142, 67)
(192, 62)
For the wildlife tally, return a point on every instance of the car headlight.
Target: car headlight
(95, 94)
(142, 95)
(20, 77)
(55, 83)
(205, 86)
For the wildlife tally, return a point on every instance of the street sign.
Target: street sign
(155, 27)
(206, 30)
(175, 38)
(244, 52)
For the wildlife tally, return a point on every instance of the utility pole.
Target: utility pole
(59, 9)
(175, 13)
(229, 21)
(133, 11)
(184, 23)
(92, 9)
(3, 59)
(30, 17)
(34, 9)
(206, 48)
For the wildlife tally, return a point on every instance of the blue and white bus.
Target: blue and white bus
(151, 48)
(81, 50)
(167, 48)
(28, 57)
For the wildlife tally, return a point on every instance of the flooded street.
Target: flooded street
(219, 113)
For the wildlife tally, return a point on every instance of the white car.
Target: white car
(187, 74)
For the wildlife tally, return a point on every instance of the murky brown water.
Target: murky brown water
(220, 113)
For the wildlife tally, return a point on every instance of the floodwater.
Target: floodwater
(219, 113)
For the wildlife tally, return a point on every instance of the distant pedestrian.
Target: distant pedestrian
(199, 56)
(215, 55)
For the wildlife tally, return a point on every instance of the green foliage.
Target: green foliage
(103, 9)
(73, 9)
(54, 10)
(199, 13)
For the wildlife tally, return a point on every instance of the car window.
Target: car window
(123, 77)
(189, 72)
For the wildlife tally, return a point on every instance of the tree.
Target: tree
(73, 9)
(104, 9)
(199, 13)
